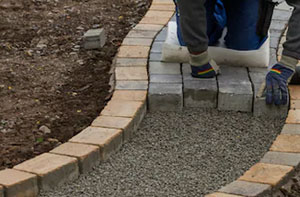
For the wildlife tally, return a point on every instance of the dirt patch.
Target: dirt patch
(51, 88)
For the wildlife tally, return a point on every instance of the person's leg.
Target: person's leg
(194, 31)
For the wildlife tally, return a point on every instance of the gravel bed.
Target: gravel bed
(189, 153)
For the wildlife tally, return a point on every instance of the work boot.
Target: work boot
(203, 66)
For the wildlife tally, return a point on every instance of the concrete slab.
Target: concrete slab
(162, 35)
(166, 79)
(157, 47)
(281, 158)
(155, 57)
(165, 97)
(162, 68)
(235, 90)
(131, 85)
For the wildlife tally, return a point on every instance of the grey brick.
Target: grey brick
(247, 189)
(155, 57)
(166, 79)
(173, 18)
(141, 34)
(283, 15)
(164, 68)
(124, 62)
(162, 35)
(278, 25)
(292, 129)
(157, 47)
(274, 42)
(284, 6)
(94, 39)
(235, 90)
(280, 158)
(131, 85)
(165, 97)
(273, 57)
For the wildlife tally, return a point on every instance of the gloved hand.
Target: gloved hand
(203, 66)
(277, 84)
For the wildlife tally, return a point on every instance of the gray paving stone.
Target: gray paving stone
(291, 129)
(199, 92)
(280, 158)
(247, 189)
(157, 47)
(94, 38)
(166, 79)
(161, 37)
(141, 34)
(284, 6)
(274, 42)
(164, 68)
(129, 62)
(235, 90)
(278, 25)
(131, 85)
(273, 57)
(165, 97)
(155, 57)
(173, 17)
(283, 15)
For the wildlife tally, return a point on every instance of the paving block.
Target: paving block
(122, 108)
(154, 13)
(157, 47)
(87, 155)
(274, 42)
(17, 183)
(286, 143)
(162, 2)
(173, 18)
(150, 34)
(270, 174)
(260, 108)
(245, 188)
(161, 37)
(294, 92)
(129, 62)
(109, 140)
(281, 158)
(292, 129)
(155, 57)
(218, 194)
(156, 20)
(295, 104)
(166, 79)
(131, 74)
(94, 38)
(131, 85)
(133, 52)
(162, 68)
(284, 6)
(165, 97)
(293, 117)
(283, 15)
(235, 90)
(199, 92)
(273, 57)
(130, 95)
(137, 42)
(52, 170)
(160, 7)
(148, 27)
(278, 25)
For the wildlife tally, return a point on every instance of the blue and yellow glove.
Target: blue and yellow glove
(277, 81)
(203, 66)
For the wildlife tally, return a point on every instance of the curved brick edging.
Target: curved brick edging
(114, 126)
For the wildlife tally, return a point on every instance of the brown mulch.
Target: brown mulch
(50, 87)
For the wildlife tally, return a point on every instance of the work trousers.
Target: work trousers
(194, 27)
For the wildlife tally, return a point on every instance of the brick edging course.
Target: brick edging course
(122, 116)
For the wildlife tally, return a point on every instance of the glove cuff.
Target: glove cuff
(288, 62)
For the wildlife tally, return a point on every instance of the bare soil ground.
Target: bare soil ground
(51, 88)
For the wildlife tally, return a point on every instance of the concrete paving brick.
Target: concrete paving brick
(278, 25)
(109, 140)
(155, 20)
(245, 188)
(173, 18)
(292, 129)
(130, 95)
(122, 108)
(283, 15)
(284, 6)
(18, 183)
(267, 174)
(155, 57)
(137, 42)
(162, 68)
(133, 52)
(153, 13)
(274, 42)
(273, 57)
(1, 191)
(131, 74)
(128, 62)
(162, 7)
(162, 35)
(293, 117)
(218, 194)
(165, 97)
(294, 92)
(87, 155)
(280, 158)
(157, 47)
(166, 79)
(148, 27)
(235, 90)
(295, 104)
(94, 38)
(53, 170)
(131, 85)
(162, 2)
(141, 34)
(286, 143)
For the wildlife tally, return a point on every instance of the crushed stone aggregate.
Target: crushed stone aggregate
(189, 153)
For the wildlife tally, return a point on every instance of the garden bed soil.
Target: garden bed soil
(51, 88)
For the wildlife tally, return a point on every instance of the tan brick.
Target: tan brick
(87, 155)
(109, 140)
(133, 52)
(142, 34)
(130, 95)
(148, 27)
(132, 85)
(155, 20)
(53, 170)
(154, 13)
(18, 184)
(266, 173)
(122, 108)
(127, 62)
(131, 74)
(295, 104)
(1, 191)
(162, 7)
(137, 42)
(286, 143)
(293, 117)
(218, 194)
(294, 92)
(163, 2)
